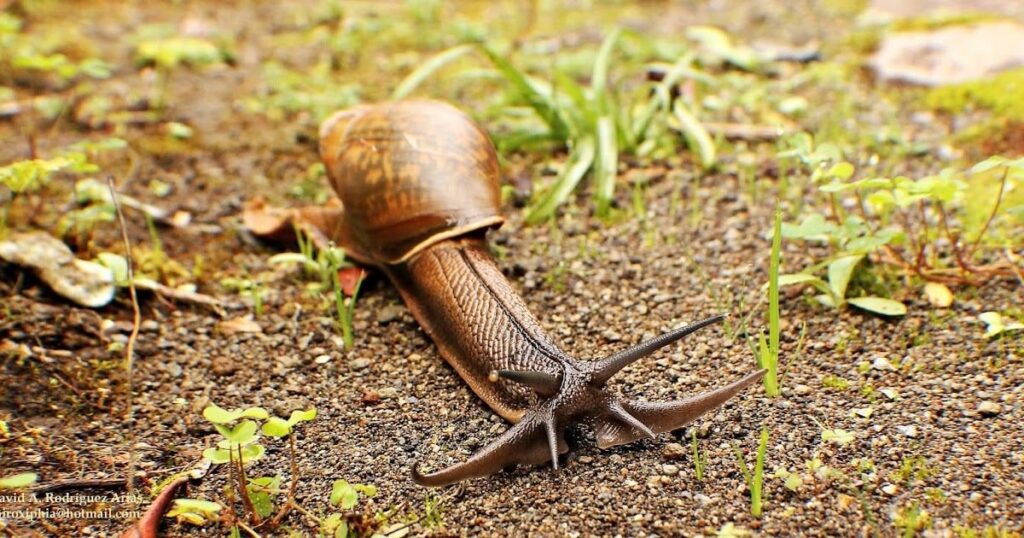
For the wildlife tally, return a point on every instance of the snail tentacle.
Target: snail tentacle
(604, 369)
(542, 383)
(579, 396)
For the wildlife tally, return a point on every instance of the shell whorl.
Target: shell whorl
(410, 174)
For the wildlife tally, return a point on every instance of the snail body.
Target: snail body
(419, 187)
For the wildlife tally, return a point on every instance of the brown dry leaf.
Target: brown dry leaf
(322, 224)
(244, 324)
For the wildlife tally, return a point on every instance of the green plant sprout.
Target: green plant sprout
(755, 480)
(28, 176)
(21, 52)
(912, 519)
(943, 228)
(318, 91)
(240, 429)
(768, 350)
(700, 460)
(791, 481)
(345, 496)
(168, 53)
(326, 264)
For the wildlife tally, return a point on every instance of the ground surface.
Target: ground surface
(597, 286)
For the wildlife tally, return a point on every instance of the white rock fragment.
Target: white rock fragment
(84, 282)
(883, 364)
(950, 55)
(909, 430)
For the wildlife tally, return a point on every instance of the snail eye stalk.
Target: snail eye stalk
(604, 369)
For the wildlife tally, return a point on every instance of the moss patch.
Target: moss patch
(999, 94)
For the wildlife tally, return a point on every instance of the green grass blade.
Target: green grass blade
(607, 164)
(599, 79)
(580, 161)
(542, 103)
(428, 68)
(758, 479)
(771, 383)
(699, 139)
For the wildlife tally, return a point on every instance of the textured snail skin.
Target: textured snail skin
(419, 184)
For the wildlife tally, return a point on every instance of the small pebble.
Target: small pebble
(673, 451)
(389, 313)
(359, 364)
(908, 430)
(882, 363)
(989, 409)
(670, 469)
(322, 359)
(801, 390)
(890, 489)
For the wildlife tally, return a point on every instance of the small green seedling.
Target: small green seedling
(345, 496)
(326, 264)
(167, 54)
(791, 481)
(194, 511)
(912, 519)
(240, 430)
(172, 52)
(768, 350)
(755, 480)
(835, 382)
(21, 52)
(433, 515)
(912, 469)
(700, 461)
(935, 227)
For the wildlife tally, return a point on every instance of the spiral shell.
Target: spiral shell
(410, 174)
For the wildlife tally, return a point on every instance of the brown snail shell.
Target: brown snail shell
(410, 174)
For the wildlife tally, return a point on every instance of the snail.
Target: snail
(418, 184)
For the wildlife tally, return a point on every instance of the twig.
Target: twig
(247, 529)
(992, 215)
(129, 349)
(287, 507)
(1013, 266)
(80, 484)
(243, 491)
(307, 513)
